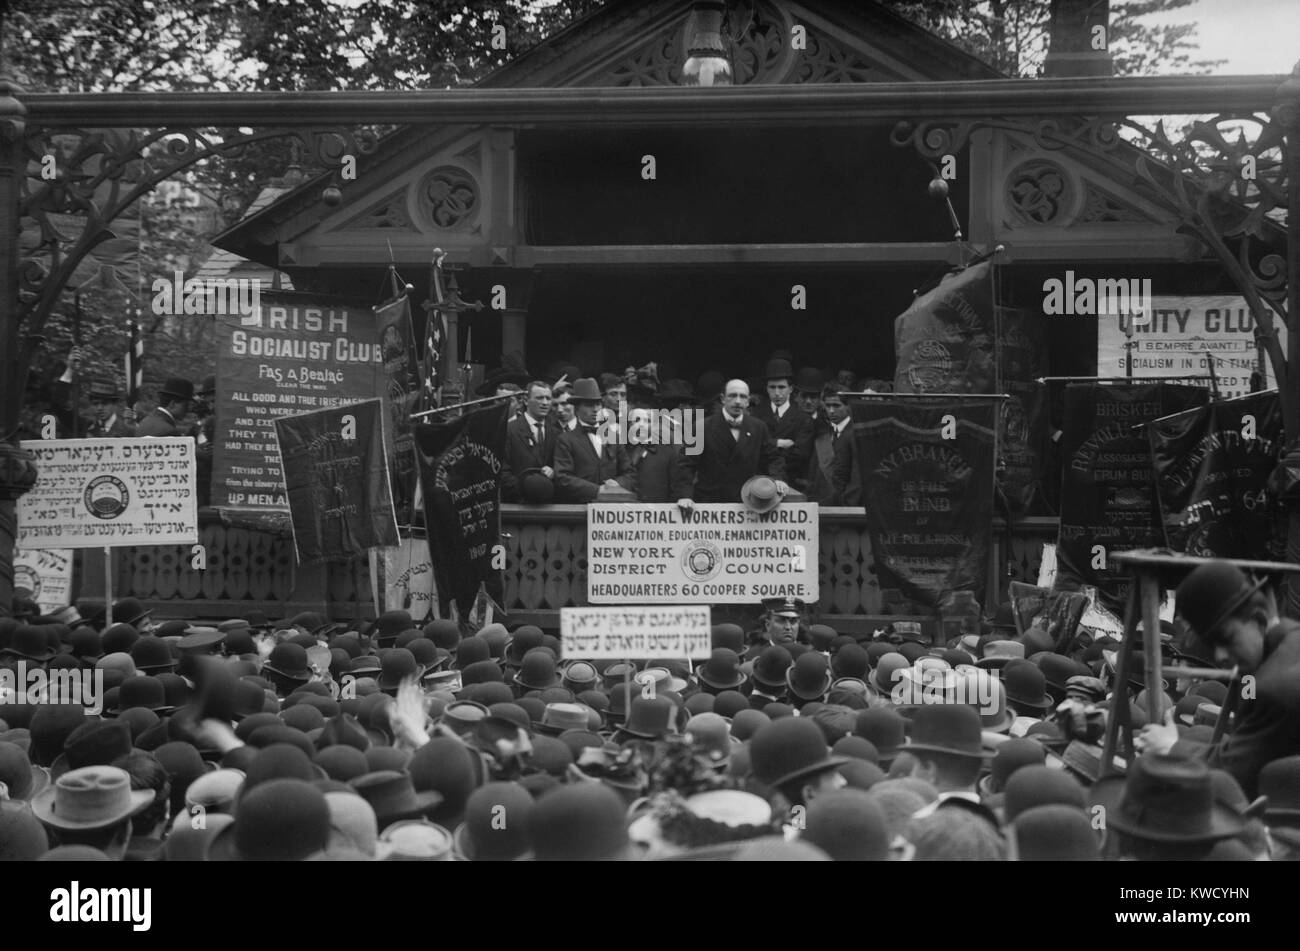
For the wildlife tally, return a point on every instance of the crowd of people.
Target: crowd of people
(304, 739)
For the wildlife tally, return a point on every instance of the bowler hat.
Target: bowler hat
(586, 822)
(389, 625)
(94, 743)
(580, 676)
(152, 653)
(177, 389)
(93, 797)
(1026, 686)
(771, 666)
(282, 820)
(1211, 593)
(524, 639)
(722, 670)
(29, 643)
(537, 672)
(1166, 799)
(1055, 833)
(535, 488)
(497, 825)
(953, 729)
(778, 370)
(674, 391)
(730, 636)
(789, 749)
(130, 610)
(759, 494)
(808, 380)
(288, 660)
(809, 677)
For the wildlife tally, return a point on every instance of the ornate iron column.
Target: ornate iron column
(17, 471)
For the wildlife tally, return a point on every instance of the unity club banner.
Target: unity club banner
(1212, 466)
(954, 339)
(460, 474)
(1108, 497)
(927, 480)
(336, 474)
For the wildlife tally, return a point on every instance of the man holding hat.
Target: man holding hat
(1229, 613)
(104, 399)
(173, 405)
(586, 462)
(737, 447)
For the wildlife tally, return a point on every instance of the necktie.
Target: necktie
(539, 433)
(835, 435)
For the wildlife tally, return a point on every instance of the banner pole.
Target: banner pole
(108, 586)
(374, 580)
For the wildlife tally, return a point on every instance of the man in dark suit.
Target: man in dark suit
(833, 476)
(658, 460)
(587, 461)
(530, 436)
(808, 396)
(736, 447)
(791, 428)
(173, 404)
(104, 403)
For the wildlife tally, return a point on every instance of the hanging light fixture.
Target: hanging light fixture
(706, 57)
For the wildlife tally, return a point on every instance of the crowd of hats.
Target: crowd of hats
(258, 740)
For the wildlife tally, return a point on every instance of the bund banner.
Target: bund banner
(1108, 499)
(1212, 466)
(336, 474)
(927, 483)
(460, 475)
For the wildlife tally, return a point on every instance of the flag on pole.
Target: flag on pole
(134, 363)
(433, 344)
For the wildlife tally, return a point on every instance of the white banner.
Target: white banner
(1172, 342)
(92, 493)
(675, 633)
(724, 554)
(47, 574)
(408, 580)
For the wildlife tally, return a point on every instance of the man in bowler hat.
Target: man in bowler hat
(585, 461)
(173, 404)
(1230, 613)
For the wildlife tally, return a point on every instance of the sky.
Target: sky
(1254, 36)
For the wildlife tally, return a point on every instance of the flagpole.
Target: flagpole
(456, 406)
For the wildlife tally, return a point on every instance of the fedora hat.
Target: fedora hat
(651, 718)
(1166, 799)
(563, 716)
(676, 391)
(778, 369)
(93, 797)
(104, 389)
(393, 796)
(759, 494)
(585, 389)
(177, 388)
(722, 670)
(23, 778)
(997, 654)
(950, 728)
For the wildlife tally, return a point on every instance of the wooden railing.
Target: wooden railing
(546, 570)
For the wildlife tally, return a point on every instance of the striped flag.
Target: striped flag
(134, 364)
(435, 338)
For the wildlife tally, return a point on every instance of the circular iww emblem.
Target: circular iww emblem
(106, 497)
(701, 560)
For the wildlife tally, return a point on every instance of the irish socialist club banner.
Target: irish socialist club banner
(460, 472)
(927, 474)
